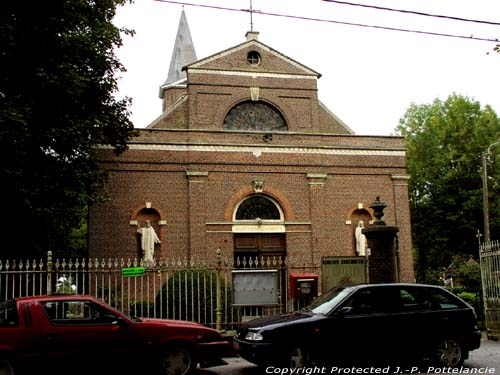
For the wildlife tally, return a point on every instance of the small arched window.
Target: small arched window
(258, 207)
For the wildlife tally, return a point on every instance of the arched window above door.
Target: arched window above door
(258, 207)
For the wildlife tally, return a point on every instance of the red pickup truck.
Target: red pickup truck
(83, 331)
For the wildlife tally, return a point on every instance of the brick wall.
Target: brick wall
(317, 193)
(193, 174)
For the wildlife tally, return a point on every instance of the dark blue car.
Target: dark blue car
(363, 324)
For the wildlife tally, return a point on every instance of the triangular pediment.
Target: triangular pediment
(235, 59)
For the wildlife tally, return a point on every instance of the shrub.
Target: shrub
(191, 295)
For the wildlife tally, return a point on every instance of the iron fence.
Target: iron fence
(196, 290)
(490, 274)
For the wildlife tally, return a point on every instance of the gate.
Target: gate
(343, 270)
(489, 253)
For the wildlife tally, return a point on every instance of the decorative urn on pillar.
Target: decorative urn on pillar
(382, 242)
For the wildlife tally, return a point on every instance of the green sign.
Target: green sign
(130, 272)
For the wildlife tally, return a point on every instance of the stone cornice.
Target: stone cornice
(259, 150)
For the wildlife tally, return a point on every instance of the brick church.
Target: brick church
(246, 159)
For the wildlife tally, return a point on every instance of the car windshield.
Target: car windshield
(327, 301)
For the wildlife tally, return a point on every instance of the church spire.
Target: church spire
(182, 55)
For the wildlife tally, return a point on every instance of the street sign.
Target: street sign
(131, 272)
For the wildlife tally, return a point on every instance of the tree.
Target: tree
(57, 87)
(444, 142)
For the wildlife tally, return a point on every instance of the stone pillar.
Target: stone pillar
(317, 212)
(197, 208)
(382, 242)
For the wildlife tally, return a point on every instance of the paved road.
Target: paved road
(488, 355)
(485, 360)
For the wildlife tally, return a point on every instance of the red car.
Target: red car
(85, 332)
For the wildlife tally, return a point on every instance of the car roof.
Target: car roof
(391, 285)
(55, 296)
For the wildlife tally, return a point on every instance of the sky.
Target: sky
(370, 76)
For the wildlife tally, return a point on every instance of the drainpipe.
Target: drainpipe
(397, 254)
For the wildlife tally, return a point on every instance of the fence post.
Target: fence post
(49, 272)
(218, 299)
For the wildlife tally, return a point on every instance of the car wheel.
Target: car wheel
(6, 367)
(298, 358)
(448, 353)
(176, 360)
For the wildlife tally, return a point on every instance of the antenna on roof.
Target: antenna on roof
(251, 35)
(251, 16)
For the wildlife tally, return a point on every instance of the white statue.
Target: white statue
(148, 241)
(360, 239)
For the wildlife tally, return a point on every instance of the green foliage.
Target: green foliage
(191, 295)
(57, 86)
(444, 142)
(476, 301)
(468, 274)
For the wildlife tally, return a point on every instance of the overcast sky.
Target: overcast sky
(370, 76)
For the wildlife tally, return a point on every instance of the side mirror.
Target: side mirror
(118, 320)
(344, 311)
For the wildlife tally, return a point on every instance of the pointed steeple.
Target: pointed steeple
(182, 55)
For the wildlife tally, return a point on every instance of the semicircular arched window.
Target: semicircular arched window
(258, 207)
(258, 116)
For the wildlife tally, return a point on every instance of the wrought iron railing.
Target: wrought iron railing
(197, 290)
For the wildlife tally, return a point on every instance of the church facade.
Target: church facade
(246, 159)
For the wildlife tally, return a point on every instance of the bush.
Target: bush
(191, 295)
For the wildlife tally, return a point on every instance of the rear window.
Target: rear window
(8, 314)
(443, 300)
(414, 299)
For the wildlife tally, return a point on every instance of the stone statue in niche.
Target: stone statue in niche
(360, 239)
(148, 239)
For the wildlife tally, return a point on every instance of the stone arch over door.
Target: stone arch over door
(258, 228)
(276, 195)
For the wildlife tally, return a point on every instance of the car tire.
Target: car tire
(448, 353)
(176, 360)
(298, 357)
(6, 367)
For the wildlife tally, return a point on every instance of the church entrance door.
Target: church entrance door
(251, 245)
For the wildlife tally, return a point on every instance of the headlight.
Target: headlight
(253, 336)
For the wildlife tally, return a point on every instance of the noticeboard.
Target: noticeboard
(255, 287)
